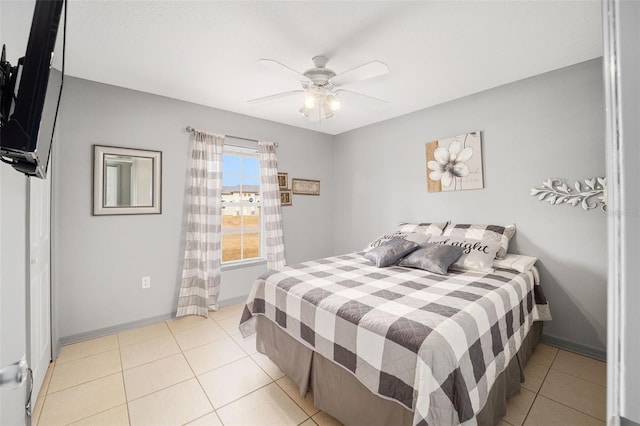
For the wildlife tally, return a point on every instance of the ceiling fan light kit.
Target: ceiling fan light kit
(320, 99)
(319, 102)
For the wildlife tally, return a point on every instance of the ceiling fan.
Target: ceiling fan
(322, 87)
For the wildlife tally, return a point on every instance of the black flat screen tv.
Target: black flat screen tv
(30, 95)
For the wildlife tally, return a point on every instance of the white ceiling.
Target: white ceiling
(206, 52)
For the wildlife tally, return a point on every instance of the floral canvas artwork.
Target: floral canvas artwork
(455, 164)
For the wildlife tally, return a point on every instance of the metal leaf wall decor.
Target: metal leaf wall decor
(593, 194)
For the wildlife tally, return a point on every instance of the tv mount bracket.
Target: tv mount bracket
(8, 76)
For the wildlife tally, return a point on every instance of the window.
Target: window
(241, 207)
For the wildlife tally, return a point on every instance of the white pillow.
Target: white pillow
(418, 238)
(435, 228)
(498, 233)
(478, 255)
(517, 262)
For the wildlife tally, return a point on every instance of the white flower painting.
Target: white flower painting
(455, 164)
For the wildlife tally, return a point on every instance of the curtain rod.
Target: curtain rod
(190, 129)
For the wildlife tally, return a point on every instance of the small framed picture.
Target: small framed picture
(283, 180)
(285, 197)
(305, 186)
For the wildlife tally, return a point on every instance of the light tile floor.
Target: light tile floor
(200, 371)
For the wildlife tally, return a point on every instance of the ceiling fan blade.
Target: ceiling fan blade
(274, 97)
(279, 66)
(363, 72)
(369, 101)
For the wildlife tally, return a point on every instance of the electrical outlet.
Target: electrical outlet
(146, 282)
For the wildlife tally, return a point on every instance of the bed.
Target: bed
(397, 345)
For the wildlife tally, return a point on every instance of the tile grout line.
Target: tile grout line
(579, 378)
(147, 341)
(166, 387)
(122, 369)
(272, 380)
(294, 401)
(124, 384)
(44, 398)
(86, 381)
(220, 366)
(195, 376)
(113, 374)
(37, 420)
(118, 333)
(57, 361)
(148, 362)
(71, 387)
(574, 409)
(215, 410)
(202, 322)
(204, 344)
(561, 403)
(227, 335)
(573, 375)
(268, 375)
(44, 392)
(526, 416)
(540, 388)
(203, 416)
(265, 371)
(94, 414)
(159, 390)
(249, 393)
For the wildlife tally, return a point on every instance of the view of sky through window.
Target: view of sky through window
(237, 170)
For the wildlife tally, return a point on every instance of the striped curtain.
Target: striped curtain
(200, 283)
(271, 210)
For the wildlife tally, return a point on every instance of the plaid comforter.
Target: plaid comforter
(433, 343)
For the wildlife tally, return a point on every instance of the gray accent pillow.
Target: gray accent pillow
(434, 258)
(390, 252)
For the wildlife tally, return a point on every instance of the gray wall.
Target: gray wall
(551, 125)
(547, 126)
(100, 259)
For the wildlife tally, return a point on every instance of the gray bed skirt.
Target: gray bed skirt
(338, 393)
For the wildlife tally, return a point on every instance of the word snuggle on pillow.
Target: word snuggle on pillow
(477, 255)
(416, 237)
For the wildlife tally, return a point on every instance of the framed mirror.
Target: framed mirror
(126, 181)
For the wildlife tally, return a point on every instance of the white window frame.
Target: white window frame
(232, 264)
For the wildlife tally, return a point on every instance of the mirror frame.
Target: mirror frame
(99, 152)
